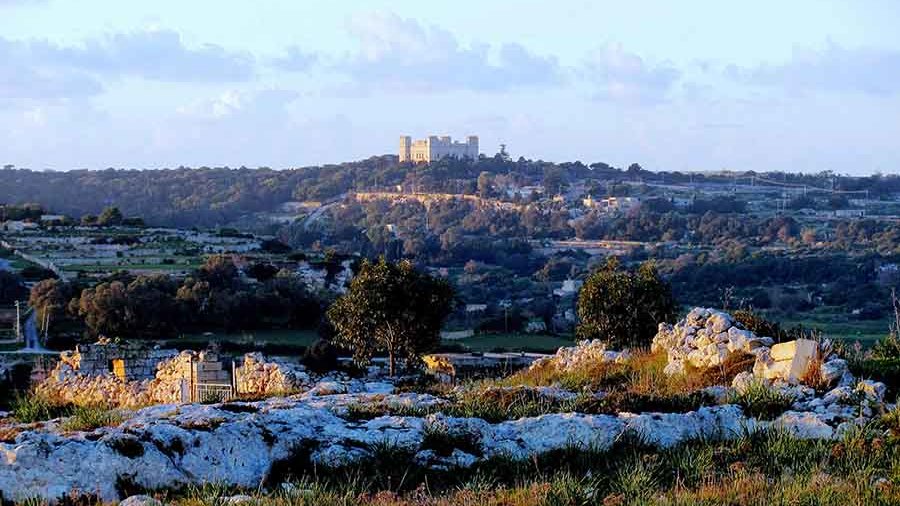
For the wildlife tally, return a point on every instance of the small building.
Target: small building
(17, 226)
(569, 287)
(850, 213)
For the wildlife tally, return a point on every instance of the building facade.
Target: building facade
(437, 147)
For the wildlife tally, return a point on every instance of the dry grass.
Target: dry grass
(642, 373)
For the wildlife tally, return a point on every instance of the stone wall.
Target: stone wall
(139, 362)
(79, 377)
(258, 376)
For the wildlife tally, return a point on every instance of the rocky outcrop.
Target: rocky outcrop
(259, 376)
(707, 338)
(238, 443)
(585, 353)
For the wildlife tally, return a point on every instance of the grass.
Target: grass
(88, 418)
(760, 468)
(34, 407)
(834, 324)
(627, 385)
(514, 342)
(761, 402)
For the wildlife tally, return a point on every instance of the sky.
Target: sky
(805, 85)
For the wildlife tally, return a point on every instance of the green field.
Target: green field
(130, 266)
(260, 337)
(303, 338)
(514, 342)
(866, 332)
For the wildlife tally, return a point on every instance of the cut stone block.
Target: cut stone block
(798, 354)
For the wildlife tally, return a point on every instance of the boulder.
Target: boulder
(140, 500)
(804, 425)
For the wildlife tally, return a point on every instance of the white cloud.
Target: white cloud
(401, 54)
(296, 60)
(159, 55)
(23, 76)
(859, 70)
(39, 69)
(616, 74)
(265, 103)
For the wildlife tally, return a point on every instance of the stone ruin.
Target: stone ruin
(261, 377)
(134, 375)
(128, 361)
(707, 338)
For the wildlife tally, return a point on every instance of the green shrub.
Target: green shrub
(762, 402)
(90, 418)
(34, 407)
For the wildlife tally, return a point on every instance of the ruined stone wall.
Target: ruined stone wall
(174, 377)
(138, 362)
(259, 376)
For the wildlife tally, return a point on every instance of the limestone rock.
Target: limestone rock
(140, 500)
(584, 353)
(171, 446)
(804, 425)
(708, 338)
(833, 370)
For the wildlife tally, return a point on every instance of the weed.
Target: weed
(35, 407)
(762, 402)
(84, 418)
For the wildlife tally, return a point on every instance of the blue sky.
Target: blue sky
(688, 85)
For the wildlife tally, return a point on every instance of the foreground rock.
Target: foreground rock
(237, 443)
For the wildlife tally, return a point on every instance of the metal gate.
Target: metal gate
(212, 392)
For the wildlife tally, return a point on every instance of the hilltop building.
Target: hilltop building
(435, 147)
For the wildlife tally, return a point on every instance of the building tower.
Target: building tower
(405, 145)
(472, 149)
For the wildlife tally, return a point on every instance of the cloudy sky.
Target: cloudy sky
(690, 85)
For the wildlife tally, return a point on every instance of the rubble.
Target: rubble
(707, 338)
(586, 352)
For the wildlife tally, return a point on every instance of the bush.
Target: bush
(35, 407)
(624, 307)
(761, 402)
(91, 417)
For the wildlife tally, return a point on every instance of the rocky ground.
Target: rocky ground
(241, 443)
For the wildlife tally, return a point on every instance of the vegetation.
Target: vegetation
(759, 468)
(88, 418)
(391, 308)
(622, 307)
(35, 407)
(215, 297)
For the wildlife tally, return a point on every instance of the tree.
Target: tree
(49, 299)
(554, 180)
(391, 307)
(485, 181)
(624, 307)
(110, 216)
